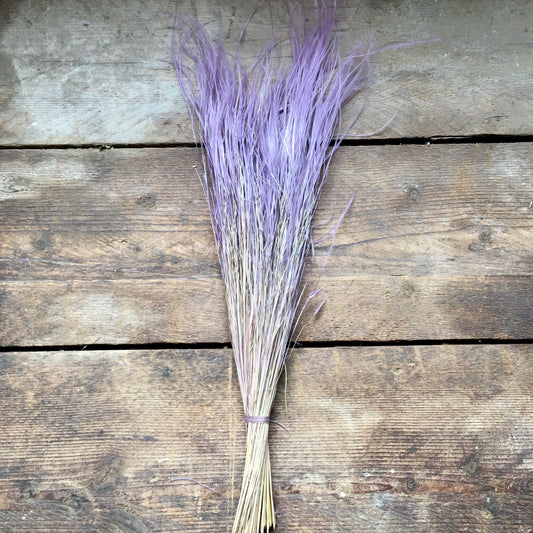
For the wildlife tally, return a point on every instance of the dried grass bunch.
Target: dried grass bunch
(268, 133)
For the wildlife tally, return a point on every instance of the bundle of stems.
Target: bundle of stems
(268, 133)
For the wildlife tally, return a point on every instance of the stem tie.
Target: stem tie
(251, 419)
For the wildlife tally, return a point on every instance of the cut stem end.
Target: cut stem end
(255, 512)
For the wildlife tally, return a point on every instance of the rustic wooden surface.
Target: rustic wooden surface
(425, 438)
(114, 248)
(78, 72)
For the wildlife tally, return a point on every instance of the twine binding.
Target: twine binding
(251, 419)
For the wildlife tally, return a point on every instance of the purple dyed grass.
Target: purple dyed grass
(267, 134)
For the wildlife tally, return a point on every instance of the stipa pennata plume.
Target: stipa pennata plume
(268, 133)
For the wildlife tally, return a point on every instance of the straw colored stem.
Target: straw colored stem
(255, 512)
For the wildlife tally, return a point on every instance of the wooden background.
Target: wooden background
(409, 401)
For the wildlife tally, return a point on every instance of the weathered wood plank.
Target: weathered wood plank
(76, 72)
(425, 438)
(116, 246)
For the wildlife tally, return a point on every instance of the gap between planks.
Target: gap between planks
(297, 345)
(448, 139)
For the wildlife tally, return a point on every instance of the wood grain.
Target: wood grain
(116, 246)
(423, 439)
(76, 72)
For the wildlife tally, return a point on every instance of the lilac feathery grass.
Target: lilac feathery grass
(268, 133)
